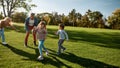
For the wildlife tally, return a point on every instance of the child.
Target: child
(4, 23)
(41, 35)
(62, 34)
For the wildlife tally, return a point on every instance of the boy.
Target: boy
(62, 34)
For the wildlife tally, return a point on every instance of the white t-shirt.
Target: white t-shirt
(62, 34)
(31, 22)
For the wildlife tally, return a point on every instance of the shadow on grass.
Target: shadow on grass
(102, 39)
(33, 57)
(85, 62)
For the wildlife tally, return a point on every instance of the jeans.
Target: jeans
(2, 35)
(40, 46)
(60, 42)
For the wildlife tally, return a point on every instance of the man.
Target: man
(30, 24)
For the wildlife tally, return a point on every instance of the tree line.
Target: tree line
(91, 19)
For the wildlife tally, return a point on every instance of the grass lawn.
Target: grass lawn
(86, 48)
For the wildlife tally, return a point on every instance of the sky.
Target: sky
(106, 7)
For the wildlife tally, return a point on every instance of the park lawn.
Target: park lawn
(86, 48)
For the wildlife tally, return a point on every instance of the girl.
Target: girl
(41, 35)
(4, 23)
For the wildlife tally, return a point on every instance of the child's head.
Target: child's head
(42, 24)
(61, 26)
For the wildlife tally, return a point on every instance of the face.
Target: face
(32, 16)
(42, 25)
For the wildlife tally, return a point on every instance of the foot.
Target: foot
(64, 49)
(58, 53)
(35, 43)
(4, 43)
(25, 45)
(40, 58)
(47, 53)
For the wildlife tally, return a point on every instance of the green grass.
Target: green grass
(86, 48)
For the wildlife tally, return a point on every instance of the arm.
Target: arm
(13, 27)
(26, 23)
(36, 22)
(66, 35)
(57, 32)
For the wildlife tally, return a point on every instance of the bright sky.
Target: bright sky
(65, 6)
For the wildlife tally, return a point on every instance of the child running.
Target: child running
(62, 35)
(41, 35)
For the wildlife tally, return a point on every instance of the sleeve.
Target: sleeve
(36, 22)
(66, 35)
(26, 23)
(57, 32)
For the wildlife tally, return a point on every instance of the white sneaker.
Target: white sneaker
(40, 58)
(4, 43)
(47, 53)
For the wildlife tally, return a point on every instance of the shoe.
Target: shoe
(58, 53)
(40, 58)
(47, 53)
(25, 45)
(64, 49)
(4, 43)
(35, 43)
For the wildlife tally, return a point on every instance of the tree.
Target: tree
(72, 17)
(114, 19)
(19, 16)
(95, 18)
(9, 6)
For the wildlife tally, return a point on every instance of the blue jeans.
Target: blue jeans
(60, 42)
(2, 35)
(40, 46)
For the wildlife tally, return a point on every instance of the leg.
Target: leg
(2, 35)
(34, 37)
(40, 47)
(60, 42)
(45, 49)
(26, 37)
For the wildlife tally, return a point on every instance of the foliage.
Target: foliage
(114, 20)
(9, 6)
(19, 17)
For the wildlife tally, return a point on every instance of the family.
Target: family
(39, 31)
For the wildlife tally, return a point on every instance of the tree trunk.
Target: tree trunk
(3, 8)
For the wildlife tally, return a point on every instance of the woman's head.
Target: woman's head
(32, 15)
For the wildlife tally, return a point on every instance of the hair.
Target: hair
(32, 14)
(62, 25)
(7, 18)
(42, 23)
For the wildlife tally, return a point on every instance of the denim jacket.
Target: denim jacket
(27, 22)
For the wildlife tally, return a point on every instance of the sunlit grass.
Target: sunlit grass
(87, 47)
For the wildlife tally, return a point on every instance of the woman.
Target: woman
(30, 24)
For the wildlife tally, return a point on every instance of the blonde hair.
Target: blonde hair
(7, 19)
(42, 22)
